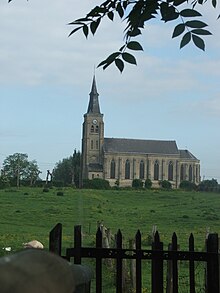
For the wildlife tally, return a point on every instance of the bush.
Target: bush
(165, 184)
(187, 185)
(96, 183)
(60, 193)
(137, 183)
(209, 185)
(4, 182)
(148, 183)
(46, 190)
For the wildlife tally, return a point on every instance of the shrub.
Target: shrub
(137, 183)
(209, 185)
(46, 189)
(96, 183)
(187, 185)
(165, 184)
(60, 193)
(4, 182)
(148, 183)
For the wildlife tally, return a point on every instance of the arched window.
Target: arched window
(91, 144)
(170, 171)
(127, 169)
(197, 173)
(112, 170)
(97, 129)
(97, 144)
(92, 128)
(156, 170)
(182, 173)
(190, 173)
(141, 169)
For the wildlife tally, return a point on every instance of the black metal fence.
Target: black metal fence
(157, 255)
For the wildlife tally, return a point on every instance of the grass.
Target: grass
(28, 214)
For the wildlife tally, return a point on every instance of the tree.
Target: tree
(67, 171)
(136, 14)
(209, 185)
(16, 167)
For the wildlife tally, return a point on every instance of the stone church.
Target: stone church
(122, 160)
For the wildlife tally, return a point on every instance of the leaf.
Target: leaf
(94, 25)
(134, 46)
(178, 2)
(110, 15)
(201, 32)
(168, 12)
(190, 13)
(198, 42)
(185, 40)
(73, 31)
(129, 58)
(122, 48)
(196, 24)
(102, 63)
(134, 32)
(120, 10)
(85, 30)
(120, 64)
(214, 3)
(178, 30)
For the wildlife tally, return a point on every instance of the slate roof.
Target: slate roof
(123, 145)
(185, 154)
(95, 167)
(94, 100)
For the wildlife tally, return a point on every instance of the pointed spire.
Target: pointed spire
(94, 101)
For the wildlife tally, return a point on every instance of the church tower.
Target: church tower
(92, 138)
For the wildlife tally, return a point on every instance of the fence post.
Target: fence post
(174, 264)
(55, 239)
(77, 244)
(138, 262)
(169, 287)
(98, 262)
(157, 265)
(191, 266)
(212, 264)
(119, 269)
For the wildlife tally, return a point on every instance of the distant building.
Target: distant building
(126, 159)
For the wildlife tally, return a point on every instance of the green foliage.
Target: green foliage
(148, 184)
(96, 183)
(136, 14)
(137, 183)
(18, 168)
(165, 184)
(60, 193)
(187, 185)
(209, 185)
(67, 171)
(4, 182)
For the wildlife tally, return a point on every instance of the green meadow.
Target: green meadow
(30, 213)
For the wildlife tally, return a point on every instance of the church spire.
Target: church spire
(93, 101)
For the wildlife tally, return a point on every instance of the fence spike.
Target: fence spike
(191, 242)
(174, 241)
(156, 237)
(119, 239)
(99, 237)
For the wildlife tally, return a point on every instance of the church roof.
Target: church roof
(94, 100)
(185, 154)
(122, 145)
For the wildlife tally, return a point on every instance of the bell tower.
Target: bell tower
(92, 137)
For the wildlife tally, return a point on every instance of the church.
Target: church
(121, 160)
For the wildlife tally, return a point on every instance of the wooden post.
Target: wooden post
(212, 264)
(157, 265)
(99, 262)
(119, 274)
(175, 264)
(55, 239)
(191, 266)
(138, 262)
(169, 279)
(132, 266)
(77, 244)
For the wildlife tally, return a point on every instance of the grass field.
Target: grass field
(30, 213)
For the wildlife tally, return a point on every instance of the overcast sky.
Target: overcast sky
(45, 80)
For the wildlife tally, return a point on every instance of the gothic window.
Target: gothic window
(141, 169)
(197, 173)
(112, 170)
(92, 128)
(97, 144)
(127, 169)
(170, 171)
(156, 170)
(182, 173)
(190, 173)
(91, 144)
(96, 129)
